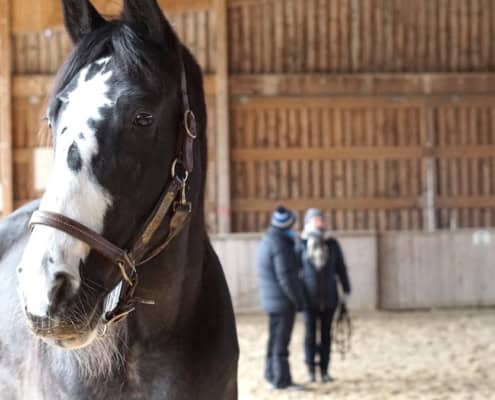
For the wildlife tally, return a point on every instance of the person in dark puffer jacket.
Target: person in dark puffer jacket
(281, 294)
(323, 267)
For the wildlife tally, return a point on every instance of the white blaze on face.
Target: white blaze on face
(74, 193)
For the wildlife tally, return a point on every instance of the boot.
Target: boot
(311, 375)
(325, 378)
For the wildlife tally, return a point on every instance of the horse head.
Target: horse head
(114, 115)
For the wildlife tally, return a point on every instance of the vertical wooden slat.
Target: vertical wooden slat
(267, 36)
(334, 36)
(344, 36)
(388, 20)
(429, 165)
(366, 35)
(311, 36)
(279, 37)
(323, 24)
(6, 159)
(442, 39)
(222, 120)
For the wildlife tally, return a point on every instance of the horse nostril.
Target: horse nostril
(60, 289)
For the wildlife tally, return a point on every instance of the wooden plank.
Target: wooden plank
(364, 84)
(222, 119)
(323, 29)
(6, 172)
(429, 169)
(246, 40)
(31, 15)
(41, 85)
(381, 152)
(334, 36)
(279, 36)
(268, 33)
(310, 50)
(465, 202)
(342, 204)
(376, 102)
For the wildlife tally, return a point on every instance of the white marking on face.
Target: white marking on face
(75, 194)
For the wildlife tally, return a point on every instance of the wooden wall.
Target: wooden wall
(363, 160)
(361, 36)
(381, 112)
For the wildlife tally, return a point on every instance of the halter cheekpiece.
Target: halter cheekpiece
(173, 201)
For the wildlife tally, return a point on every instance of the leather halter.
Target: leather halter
(173, 201)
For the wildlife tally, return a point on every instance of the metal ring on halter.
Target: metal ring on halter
(190, 119)
(181, 179)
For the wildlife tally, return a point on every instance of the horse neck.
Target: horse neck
(172, 281)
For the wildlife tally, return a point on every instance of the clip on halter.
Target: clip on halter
(183, 204)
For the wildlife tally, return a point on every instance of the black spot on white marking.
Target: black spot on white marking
(74, 159)
(81, 136)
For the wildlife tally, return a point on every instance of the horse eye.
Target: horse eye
(143, 119)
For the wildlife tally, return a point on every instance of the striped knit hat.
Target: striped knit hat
(283, 218)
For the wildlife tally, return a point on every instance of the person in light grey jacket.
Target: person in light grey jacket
(323, 270)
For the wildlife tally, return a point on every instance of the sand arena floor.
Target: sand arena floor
(436, 355)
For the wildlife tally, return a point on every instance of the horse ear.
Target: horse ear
(80, 18)
(149, 18)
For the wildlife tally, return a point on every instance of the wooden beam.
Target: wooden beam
(335, 153)
(29, 15)
(6, 174)
(41, 85)
(256, 204)
(362, 84)
(114, 8)
(222, 109)
(429, 171)
(369, 101)
(32, 85)
(466, 202)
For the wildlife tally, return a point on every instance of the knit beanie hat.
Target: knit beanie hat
(311, 213)
(283, 218)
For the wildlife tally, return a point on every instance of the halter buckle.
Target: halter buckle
(190, 124)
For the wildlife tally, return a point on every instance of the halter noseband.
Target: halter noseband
(173, 200)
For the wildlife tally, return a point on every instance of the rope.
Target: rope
(342, 331)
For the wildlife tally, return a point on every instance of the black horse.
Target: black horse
(117, 122)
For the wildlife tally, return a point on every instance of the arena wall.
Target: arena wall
(392, 271)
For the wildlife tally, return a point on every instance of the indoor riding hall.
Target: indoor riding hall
(379, 112)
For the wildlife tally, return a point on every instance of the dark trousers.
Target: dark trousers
(277, 370)
(312, 346)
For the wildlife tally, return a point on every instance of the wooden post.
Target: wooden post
(6, 108)
(429, 171)
(222, 109)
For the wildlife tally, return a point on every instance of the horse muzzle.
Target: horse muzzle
(69, 335)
